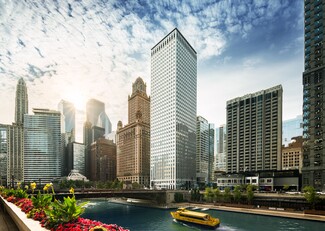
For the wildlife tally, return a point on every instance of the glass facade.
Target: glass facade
(42, 146)
(173, 113)
(203, 170)
(75, 158)
(220, 150)
(291, 128)
(68, 120)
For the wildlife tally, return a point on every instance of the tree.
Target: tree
(208, 194)
(217, 194)
(250, 193)
(227, 195)
(311, 195)
(237, 193)
(135, 185)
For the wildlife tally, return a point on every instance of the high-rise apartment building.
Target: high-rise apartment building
(254, 129)
(221, 149)
(42, 146)
(313, 170)
(68, 114)
(21, 107)
(291, 128)
(173, 113)
(102, 160)
(204, 151)
(133, 140)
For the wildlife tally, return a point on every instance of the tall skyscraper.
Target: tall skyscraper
(68, 120)
(211, 153)
(254, 131)
(133, 140)
(15, 136)
(97, 126)
(291, 128)
(42, 149)
(204, 151)
(221, 149)
(96, 115)
(313, 170)
(173, 112)
(21, 107)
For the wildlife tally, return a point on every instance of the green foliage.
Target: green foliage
(250, 193)
(217, 194)
(66, 211)
(208, 194)
(227, 195)
(8, 192)
(286, 187)
(20, 193)
(136, 185)
(311, 195)
(237, 193)
(41, 200)
(178, 197)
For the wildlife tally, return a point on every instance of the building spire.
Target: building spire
(21, 106)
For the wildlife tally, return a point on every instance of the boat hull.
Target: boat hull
(198, 225)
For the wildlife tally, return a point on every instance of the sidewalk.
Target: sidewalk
(6, 223)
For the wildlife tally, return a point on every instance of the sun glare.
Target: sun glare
(77, 99)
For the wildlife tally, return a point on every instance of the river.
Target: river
(138, 218)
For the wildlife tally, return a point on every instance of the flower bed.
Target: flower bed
(55, 215)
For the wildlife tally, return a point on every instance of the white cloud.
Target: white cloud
(102, 49)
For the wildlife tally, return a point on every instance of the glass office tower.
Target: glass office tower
(42, 146)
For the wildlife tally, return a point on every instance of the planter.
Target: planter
(20, 218)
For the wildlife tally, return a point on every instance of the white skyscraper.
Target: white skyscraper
(173, 113)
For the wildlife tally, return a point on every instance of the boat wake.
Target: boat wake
(186, 225)
(90, 205)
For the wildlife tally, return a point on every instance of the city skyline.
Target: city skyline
(80, 51)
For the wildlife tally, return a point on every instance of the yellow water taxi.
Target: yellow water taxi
(198, 218)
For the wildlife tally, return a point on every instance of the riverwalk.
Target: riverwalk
(277, 212)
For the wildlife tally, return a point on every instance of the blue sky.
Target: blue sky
(76, 50)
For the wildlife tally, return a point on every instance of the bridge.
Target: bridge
(155, 196)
